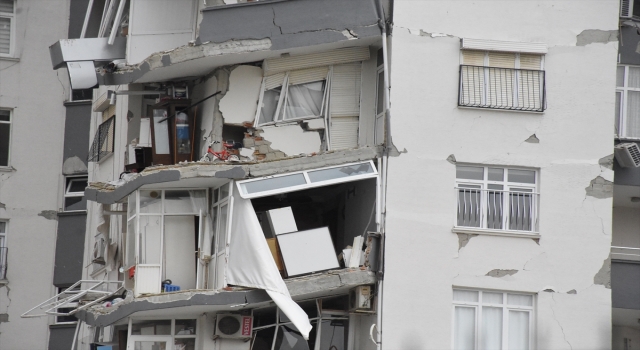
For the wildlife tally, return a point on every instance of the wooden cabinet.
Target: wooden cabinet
(172, 131)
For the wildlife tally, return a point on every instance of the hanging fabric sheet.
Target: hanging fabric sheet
(251, 263)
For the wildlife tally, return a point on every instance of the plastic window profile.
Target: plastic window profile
(308, 184)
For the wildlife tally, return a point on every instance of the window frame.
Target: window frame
(4, 250)
(170, 339)
(508, 187)
(12, 30)
(505, 306)
(72, 306)
(621, 117)
(8, 166)
(68, 194)
(484, 103)
(284, 96)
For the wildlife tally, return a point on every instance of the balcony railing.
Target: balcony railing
(497, 209)
(3, 262)
(502, 88)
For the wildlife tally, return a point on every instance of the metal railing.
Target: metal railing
(3, 262)
(103, 141)
(502, 88)
(497, 209)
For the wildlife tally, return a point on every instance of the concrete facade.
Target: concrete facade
(31, 187)
(561, 266)
(416, 252)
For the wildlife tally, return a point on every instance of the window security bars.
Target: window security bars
(497, 209)
(3, 262)
(502, 88)
(102, 145)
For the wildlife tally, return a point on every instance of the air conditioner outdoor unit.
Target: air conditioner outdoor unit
(628, 154)
(626, 8)
(233, 326)
(360, 299)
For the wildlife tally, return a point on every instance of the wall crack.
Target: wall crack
(559, 325)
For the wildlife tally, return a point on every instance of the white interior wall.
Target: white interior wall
(179, 248)
(240, 102)
(423, 256)
(206, 111)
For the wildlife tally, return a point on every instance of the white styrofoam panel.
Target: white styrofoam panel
(308, 251)
(282, 220)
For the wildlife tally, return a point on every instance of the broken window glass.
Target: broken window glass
(289, 338)
(263, 339)
(334, 334)
(274, 183)
(269, 105)
(344, 171)
(304, 100)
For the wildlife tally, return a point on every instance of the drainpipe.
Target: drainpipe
(384, 170)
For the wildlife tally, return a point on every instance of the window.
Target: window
(81, 95)
(627, 116)
(67, 307)
(157, 334)
(272, 330)
(102, 145)
(5, 136)
(492, 320)
(74, 193)
(502, 80)
(496, 198)
(307, 179)
(7, 27)
(292, 96)
(3, 250)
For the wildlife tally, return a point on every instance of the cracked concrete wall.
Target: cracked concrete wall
(33, 182)
(291, 24)
(575, 228)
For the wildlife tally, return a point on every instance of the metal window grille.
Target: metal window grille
(497, 209)
(102, 145)
(502, 88)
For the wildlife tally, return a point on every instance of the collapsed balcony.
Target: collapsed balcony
(329, 223)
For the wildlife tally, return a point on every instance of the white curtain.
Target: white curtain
(304, 100)
(491, 328)
(518, 330)
(251, 263)
(464, 328)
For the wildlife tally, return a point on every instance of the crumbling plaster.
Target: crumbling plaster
(575, 228)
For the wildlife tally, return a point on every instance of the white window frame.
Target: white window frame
(67, 190)
(379, 122)
(169, 339)
(282, 102)
(308, 183)
(507, 188)
(72, 305)
(622, 99)
(3, 235)
(12, 30)
(516, 77)
(134, 215)
(505, 311)
(8, 166)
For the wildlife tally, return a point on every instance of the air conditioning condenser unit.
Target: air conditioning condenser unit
(361, 299)
(627, 154)
(233, 326)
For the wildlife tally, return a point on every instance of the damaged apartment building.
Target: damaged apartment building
(246, 191)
